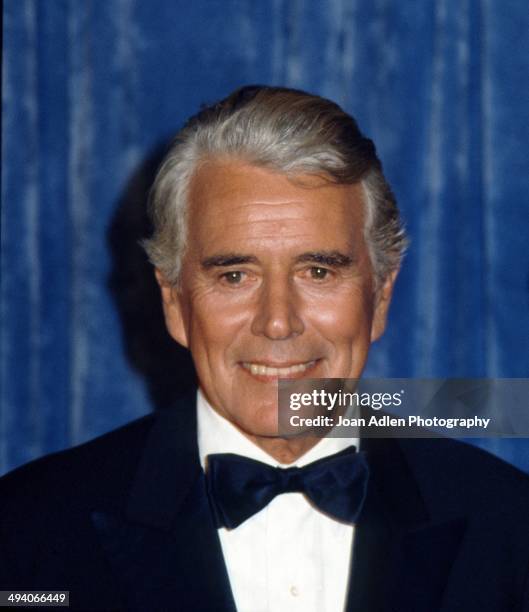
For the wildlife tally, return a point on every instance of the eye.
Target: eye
(319, 273)
(233, 278)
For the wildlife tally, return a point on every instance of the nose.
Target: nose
(277, 316)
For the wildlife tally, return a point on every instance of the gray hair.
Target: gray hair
(285, 130)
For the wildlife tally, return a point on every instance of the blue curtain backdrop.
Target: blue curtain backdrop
(93, 89)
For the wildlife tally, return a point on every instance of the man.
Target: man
(276, 246)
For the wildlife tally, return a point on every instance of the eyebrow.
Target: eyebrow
(227, 259)
(334, 259)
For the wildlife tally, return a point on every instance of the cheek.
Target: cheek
(343, 318)
(214, 325)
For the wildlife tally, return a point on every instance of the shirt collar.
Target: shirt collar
(217, 435)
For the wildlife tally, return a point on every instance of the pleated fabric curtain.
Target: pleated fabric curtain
(91, 92)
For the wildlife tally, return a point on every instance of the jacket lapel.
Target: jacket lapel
(165, 550)
(401, 557)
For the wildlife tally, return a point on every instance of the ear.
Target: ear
(172, 309)
(382, 302)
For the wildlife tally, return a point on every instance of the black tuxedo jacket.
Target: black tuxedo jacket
(123, 522)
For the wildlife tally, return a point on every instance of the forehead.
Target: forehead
(234, 205)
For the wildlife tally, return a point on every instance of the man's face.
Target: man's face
(276, 282)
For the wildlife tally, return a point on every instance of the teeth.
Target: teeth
(262, 370)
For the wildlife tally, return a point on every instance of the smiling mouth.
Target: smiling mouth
(262, 370)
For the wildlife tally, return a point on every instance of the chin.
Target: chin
(263, 425)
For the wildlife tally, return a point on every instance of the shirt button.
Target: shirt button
(294, 591)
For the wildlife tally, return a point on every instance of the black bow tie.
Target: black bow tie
(239, 487)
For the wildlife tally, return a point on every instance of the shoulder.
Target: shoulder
(45, 514)
(47, 509)
(97, 470)
(460, 476)
(97, 474)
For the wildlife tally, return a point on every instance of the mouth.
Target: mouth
(267, 372)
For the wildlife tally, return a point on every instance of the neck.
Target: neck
(281, 449)
(284, 450)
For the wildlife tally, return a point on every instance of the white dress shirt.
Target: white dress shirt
(289, 556)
